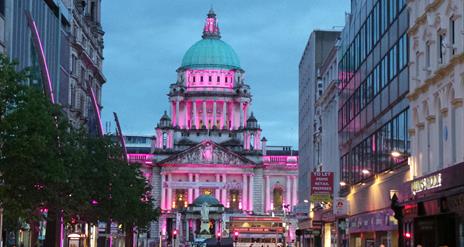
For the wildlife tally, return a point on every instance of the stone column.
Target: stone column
(186, 115)
(214, 113)
(190, 190)
(245, 192)
(177, 112)
(195, 114)
(288, 190)
(295, 190)
(197, 190)
(163, 192)
(173, 112)
(224, 114)
(250, 198)
(216, 191)
(241, 114)
(232, 115)
(268, 194)
(224, 191)
(169, 201)
(204, 114)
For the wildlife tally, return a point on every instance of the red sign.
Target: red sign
(322, 183)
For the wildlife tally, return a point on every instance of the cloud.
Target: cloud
(144, 45)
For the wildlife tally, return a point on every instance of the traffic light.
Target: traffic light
(218, 236)
(408, 235)
(174, 234)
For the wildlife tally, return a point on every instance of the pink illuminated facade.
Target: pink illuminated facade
(211, 144)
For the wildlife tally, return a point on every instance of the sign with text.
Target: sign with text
(340, 207)
(322, 184)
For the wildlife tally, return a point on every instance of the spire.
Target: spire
(211, 29)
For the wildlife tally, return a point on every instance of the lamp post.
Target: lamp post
(235, 238)
(174, 237)
(218, 238)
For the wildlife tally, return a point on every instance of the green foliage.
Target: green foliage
(45, 163)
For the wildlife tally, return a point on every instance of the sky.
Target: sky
(146, 40)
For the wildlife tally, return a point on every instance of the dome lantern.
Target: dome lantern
(210, 52)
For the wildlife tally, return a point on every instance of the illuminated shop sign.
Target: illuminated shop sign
(427, 183)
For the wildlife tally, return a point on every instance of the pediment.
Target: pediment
(207, 152)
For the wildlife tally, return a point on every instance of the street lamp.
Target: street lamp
(174, 237)
(342, 183)
(365, 172)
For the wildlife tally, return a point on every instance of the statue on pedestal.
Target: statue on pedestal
(204, 227)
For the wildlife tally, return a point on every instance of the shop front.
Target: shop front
(433, 209)
(373, 229)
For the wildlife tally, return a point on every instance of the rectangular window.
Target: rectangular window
(441, 48)
(218, 79)
(452, 35)
(210, 78)
(384, 72)
(369, 34)
(376, 16)
(376, 80)
(427, 55)
(393, 10)
(384, 16)
(393, 58)
(201, 78)
(403, 52)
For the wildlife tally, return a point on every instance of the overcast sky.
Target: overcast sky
(146, 40)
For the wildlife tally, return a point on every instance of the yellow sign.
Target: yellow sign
(320, 198)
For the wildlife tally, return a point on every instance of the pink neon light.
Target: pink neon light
(194, 78)
(42, 55)
(97, 110)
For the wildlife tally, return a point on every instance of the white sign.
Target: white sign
(340, 206)
(427, 183)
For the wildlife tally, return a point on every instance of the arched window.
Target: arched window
(278, 198)
(165, 140)
(252, 141)
(234, 199)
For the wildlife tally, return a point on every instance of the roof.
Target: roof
(211, 53)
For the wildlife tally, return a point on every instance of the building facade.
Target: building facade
(319, 45)
(373, 119)
(433, 211)
(326, 142)
(62, 41)
(210, 150)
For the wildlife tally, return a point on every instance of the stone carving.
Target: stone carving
(208, 154)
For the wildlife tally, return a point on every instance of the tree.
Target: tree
(48, 166)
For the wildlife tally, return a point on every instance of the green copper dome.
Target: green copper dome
(208, 199)
(211, 53)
